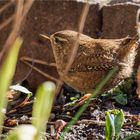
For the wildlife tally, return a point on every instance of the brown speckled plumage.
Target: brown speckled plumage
(94, 59)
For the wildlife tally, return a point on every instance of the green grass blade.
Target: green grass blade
(43, 104)
(119, 121)
(109, 126)
(6, 74)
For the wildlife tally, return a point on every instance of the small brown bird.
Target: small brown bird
(94, 59)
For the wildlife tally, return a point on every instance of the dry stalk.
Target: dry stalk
(3, 8)
(37, 61)
(22, 9)
(5, 23)
(27, 7)
(39, 71)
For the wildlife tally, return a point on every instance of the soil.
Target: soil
(91, 125)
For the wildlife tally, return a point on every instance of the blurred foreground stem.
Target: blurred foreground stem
(6, 74)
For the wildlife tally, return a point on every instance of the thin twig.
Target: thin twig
(37, 61)
(76, 45)
(27, 7)
(41, 72)
(18, 20)
(6, 6)
(99, 123)
(16, 28)
(6, 22)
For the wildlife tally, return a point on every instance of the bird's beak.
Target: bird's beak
(45, 36)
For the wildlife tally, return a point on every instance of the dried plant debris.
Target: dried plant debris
(91, 124)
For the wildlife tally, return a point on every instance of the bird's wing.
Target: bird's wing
(93, 58)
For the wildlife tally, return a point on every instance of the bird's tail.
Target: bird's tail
(131, 43)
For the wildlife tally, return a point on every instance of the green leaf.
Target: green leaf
(117, 90)
(43, 105)
(121, 99)
(119, 121)
(114, 123)
(6, 74)
(109, 127)
(73, 98)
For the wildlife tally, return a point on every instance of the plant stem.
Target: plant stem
(95, 93)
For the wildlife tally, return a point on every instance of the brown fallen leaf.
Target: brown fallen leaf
(12, 95)
(59, 125)
(11, 122)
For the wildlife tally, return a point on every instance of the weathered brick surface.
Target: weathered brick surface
(120, 21)
(47, 17)
(4, 32)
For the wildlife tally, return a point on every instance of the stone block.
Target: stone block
(48, 17)
(119, 21)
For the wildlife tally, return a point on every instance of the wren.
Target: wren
(94, 59)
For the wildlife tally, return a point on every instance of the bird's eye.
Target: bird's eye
(126, 41)
(60, 39)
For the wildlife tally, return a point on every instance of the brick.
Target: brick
(120, 21)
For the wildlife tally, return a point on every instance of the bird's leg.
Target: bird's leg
(82, 100)
(26, 61)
